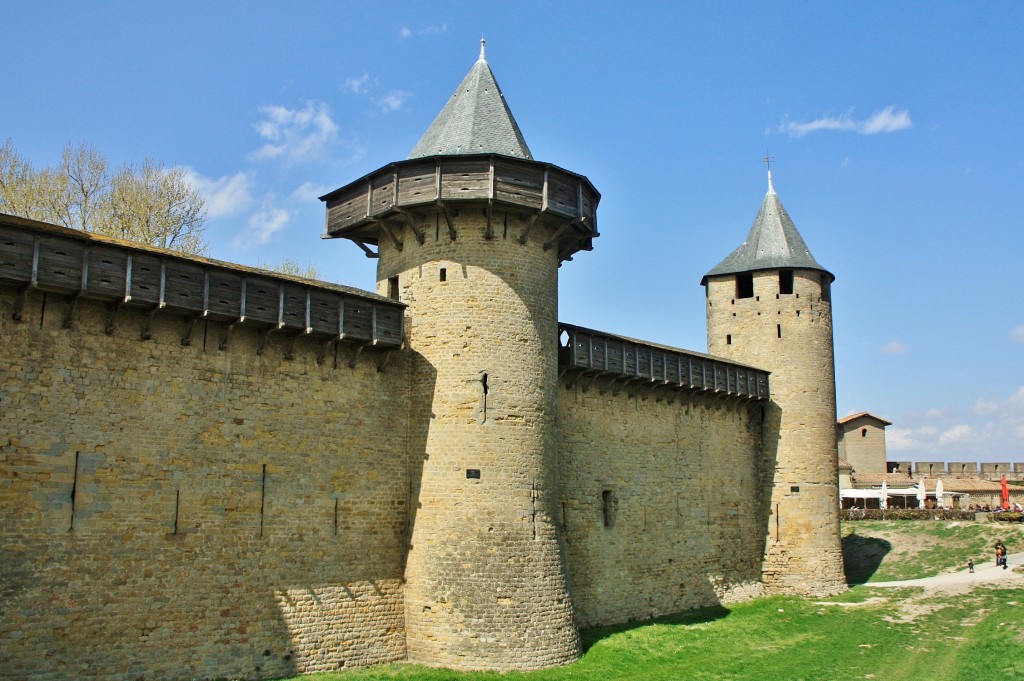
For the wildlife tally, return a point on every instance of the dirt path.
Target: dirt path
(984, 573)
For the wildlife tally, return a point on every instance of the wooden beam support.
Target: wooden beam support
(109, 327)
(321, 355)
(387, 230)
(561, 229)
(366, 250)
(186, 339)
(452, 234)
(227, 336)
(147, 327)
(69, 314)
(289, 350)
(411, 222)
(529, 227)
(264, 335)
(19, 306)
(489, 232)
(355, 356)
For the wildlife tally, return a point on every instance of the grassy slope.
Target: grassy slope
(878, 551)
(864, 633)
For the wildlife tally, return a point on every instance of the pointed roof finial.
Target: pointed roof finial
(482, 56)
(768, 160)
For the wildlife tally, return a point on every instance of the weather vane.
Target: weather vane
(767, 160)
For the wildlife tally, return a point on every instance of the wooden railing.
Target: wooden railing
(406, 191)
(36, 256)
(594, 352)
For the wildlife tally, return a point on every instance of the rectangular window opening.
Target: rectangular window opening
(607, 507)
(393, 288)
(778, 329)
(745, 285)
(728, 339)
(443, 274)
(785, 282)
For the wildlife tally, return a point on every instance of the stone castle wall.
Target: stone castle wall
(186, 512)
(659, 501)
(173, 511)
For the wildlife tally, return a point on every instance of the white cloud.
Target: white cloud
(433, 30)
(902, 439)
(1017, 335)
(295, 134)
(956, 433)
(225, 196)
(893, 347)
(392, 101)
(262, 225)
(888, 119)
(309, 191)
(985, 406)
(404, 32)
(358, 85)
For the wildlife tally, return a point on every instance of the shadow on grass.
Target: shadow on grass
(588, 637)
(862, 556)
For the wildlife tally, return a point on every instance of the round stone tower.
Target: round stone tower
(768, 305)
(470, 232)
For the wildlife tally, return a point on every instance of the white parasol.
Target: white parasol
(922, 494)
(883, 498)
(938, 493)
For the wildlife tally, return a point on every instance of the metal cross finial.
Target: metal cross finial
(768, 160)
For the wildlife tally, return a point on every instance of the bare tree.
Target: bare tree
(82, 194)
(151, 203)
(293, 268)
(21, 187)
(156, 205)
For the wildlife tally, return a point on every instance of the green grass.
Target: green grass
(865, 633)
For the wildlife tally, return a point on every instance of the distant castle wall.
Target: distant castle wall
(961, 469)
(660, 502)
(179, 512)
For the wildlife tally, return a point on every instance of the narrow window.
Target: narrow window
(785, 282)
(863, 432)
(745, 285)
(393, 288)
(444, 274)
(778, 329)
(607, 509)
(728, 339)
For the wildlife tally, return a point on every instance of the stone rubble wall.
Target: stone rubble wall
(171, 511)
(659, 503)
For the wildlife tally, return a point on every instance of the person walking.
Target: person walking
(1000, 554)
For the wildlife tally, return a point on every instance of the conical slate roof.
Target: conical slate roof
(476, 120)
(772, 243)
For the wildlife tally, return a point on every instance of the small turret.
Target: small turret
(769, 305)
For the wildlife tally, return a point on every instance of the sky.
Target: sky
(895, 133)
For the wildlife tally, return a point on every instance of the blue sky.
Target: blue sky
(896, 129)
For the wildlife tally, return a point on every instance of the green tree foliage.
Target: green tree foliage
(148, 203)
